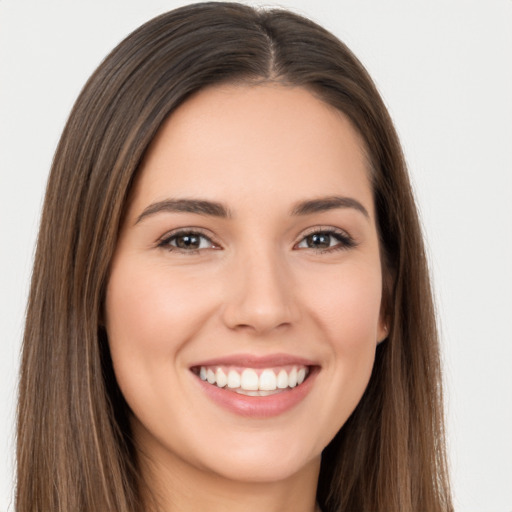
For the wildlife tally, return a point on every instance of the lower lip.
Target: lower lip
(259, 406)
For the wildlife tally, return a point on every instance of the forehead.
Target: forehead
(234, 142)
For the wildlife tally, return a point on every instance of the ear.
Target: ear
(386, 312)
(382, 331)
(384, 323)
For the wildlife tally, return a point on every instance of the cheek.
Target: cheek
(347, 306)
(151, 313)
(152, 310)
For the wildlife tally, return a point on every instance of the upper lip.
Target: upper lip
(253, 361)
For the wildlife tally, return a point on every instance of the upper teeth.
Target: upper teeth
(250, 379)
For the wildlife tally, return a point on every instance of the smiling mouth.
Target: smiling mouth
(253, 381)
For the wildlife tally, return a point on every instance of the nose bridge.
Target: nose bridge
(260, 297)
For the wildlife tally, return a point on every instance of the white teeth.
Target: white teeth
(246, 392)
(268, 381)
(282, 379)
(221, 378)
(292, 378)
(249, 381)
(210, 376)
(241, 391)
(233, 379)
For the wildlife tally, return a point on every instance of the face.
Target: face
(243, 304)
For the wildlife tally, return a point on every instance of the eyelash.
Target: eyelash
(345, 241)
(192, 232)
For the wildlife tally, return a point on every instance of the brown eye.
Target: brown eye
(187, 241)
(326, 240)
(191, 241)
(319, 240)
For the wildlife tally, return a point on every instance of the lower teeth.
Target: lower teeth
(241, 391)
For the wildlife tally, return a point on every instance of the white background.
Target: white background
(444, 69)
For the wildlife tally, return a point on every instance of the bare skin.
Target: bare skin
(250, 243)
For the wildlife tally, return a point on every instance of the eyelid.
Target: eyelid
(347, 241)
(323, 229)
(163, 241)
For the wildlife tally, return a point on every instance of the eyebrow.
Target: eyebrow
(215, 209)
(324, 204)
(198, 206)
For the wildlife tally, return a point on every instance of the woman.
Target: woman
(230, 305)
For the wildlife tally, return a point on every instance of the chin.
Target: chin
(261, 457)
(264, 470)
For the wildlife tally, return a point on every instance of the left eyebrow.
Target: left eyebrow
(324, 204)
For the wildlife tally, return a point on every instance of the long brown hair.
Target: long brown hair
(74, 446)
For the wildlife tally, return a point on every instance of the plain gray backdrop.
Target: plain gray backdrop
(444, 69)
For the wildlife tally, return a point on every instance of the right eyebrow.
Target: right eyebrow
(198, 206)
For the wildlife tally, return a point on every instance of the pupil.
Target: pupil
(188, 242)
(319, 240)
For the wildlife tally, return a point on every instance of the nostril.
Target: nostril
(259, 298)
(259, 318)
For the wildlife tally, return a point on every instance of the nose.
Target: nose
(260, 295)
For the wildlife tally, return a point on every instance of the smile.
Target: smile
(254, 381)
(257, 387)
